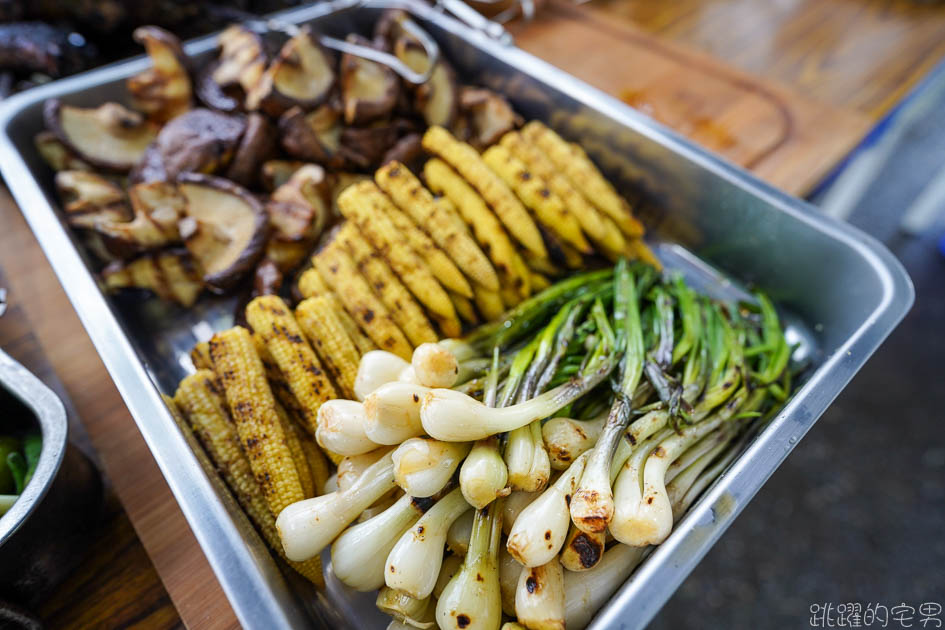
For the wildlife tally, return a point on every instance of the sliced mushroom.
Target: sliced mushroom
(199, 141)
(365, 146)
(110, 137)
(274, 173)
(298, 212)
(56, 154)
(170, 274)
(302, 74)
(163, 91)
(158, 206)
(368, 89)
(437, 100)
(314, 137)
(225, 229)
(408, 151)
(242, 58)
(89, 199)
(489, 115)
(257, 145)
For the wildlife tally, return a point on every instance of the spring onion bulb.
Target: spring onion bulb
(455, 417)
(483, 475)
(628, 487)
(704, 480)
(423, 466)
(341, 425)
(540, 529)
(407, 375)
(526, 459)
(539, 598)
(331, 484)
(358, 554)
(509, 571)
(592, 506)
(451, 565)
(457, 538)
(414, 561)
(567, 438)
(679, 487)
(513, 506)
(434, 365)
(392, 412)
(381, 504)
(376, 368)
(410, 611)
(582, 550)
(472, 599)
(510, 625)
(586, 592)
(709, 443)
(306, 527)
(651, 520)
(352, 466)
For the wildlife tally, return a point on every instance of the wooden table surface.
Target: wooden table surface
(849, 60)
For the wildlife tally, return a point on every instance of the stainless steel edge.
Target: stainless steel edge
(259, 598)
(51, 418)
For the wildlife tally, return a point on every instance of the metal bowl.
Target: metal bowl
(44, 534)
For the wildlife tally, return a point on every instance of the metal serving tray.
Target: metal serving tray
(841, 292)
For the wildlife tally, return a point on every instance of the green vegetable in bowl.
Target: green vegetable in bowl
(18, 461)
(8, 445)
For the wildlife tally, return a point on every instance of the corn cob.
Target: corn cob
(241, 374)
(271, 318)
(326, 334)
(277, 381)
(537, 196)
(409, 194)
(404, 309)
(464, 307)
(486, 227)
(638, 250)
(366, 205)
(509, 297)
(598, 227)
(200, 356)
(295, 448)
(584, 175)
(540, 282)
(200, 401)
(490, 303)
(311, 284)
(469, 164)
(338, 269)
(442, 267)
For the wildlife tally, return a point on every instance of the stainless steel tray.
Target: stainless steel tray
(841, 291)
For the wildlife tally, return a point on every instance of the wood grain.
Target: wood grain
(862, 55)
(123, 454)
(784, 138)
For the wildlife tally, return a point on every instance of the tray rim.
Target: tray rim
(251, 592)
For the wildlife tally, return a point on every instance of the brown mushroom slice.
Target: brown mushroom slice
(274, 173)
(314, 137)
(170, 274)
(110, 137)
(163, 91)
(308, 187)
(199, 141)
(437, 100)
(158, 206)
(489, 115)
(242, 58)
(89, 199)
(368, 89)
(56, 154)
(302, 74)
(365, 146)
(257, 145)
(225, 229)
(407, 150)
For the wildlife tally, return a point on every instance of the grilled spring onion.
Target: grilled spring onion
(392, 412)
(377, 367)
(434, 365)
(472, 598)
(483, 476)
(539, 597)
(341, 428)
(413, 563)
(423, 466)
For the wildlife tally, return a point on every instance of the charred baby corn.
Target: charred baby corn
(272, 319)
(250, 400)
(338, 269)
(312, 284)
(469, 164)
(327, 335)
(366, 205)
(404, 309)
(408, 193)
